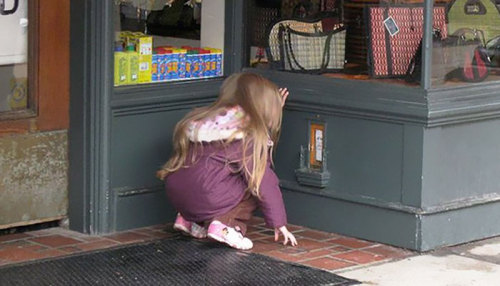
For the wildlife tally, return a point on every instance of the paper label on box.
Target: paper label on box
(146, 49)
(144, 66)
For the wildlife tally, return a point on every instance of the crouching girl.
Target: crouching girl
(221, 168)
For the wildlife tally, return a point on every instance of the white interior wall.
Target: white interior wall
(212, 24)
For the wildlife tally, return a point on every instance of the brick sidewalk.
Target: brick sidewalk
(318, 249)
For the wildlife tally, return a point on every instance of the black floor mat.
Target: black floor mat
(176, 261)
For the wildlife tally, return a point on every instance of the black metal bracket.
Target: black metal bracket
(308, 176)
(8, 12)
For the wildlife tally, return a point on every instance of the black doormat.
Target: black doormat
(176, 261)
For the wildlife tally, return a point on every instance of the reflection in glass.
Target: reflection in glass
(470, 51)
(163, 40)
(376, 40)
(14, 56)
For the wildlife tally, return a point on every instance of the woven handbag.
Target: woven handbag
(274, 48)
(354, 18)
(312, 52)
(273, 36)
(389, 55)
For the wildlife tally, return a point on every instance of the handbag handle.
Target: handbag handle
(289, 51)
(476, 34)
(288, 47)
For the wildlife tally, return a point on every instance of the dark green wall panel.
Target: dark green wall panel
(460, 226)
(412, 165)
(362, 221)
(293, 135)
(365, 158)
(141, 209)
(461, 162)
(140, 144)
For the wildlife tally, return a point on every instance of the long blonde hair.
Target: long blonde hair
(261, 101)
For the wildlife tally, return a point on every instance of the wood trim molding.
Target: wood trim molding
(387, 102)
(18, 121)
(461, 104)
(48, 72)
(463, 203)
(53, 72)
(130, 101)
(351, 98)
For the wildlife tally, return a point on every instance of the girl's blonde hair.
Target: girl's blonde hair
(262, 103)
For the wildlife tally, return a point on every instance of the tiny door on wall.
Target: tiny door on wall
(316, 145)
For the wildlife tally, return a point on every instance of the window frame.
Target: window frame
(427, 67)
(154, 90)
(50, 85)
(234, 56)
(33, 48)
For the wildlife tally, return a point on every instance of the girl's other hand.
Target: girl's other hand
(287, 236)
(284, 94)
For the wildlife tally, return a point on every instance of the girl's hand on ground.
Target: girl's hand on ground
(284, 94)
(287, 236)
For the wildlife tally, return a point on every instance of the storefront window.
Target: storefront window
(376, 40)
(167, 40)
(13, 56)
(469, 50)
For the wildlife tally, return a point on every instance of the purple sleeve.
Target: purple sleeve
(271, 202)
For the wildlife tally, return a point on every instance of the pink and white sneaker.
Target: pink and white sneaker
(228, 235)
(191, 228)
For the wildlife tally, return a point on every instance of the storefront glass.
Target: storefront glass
(468, 50)
(375, 40)
(167, 40)
(13, 55)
